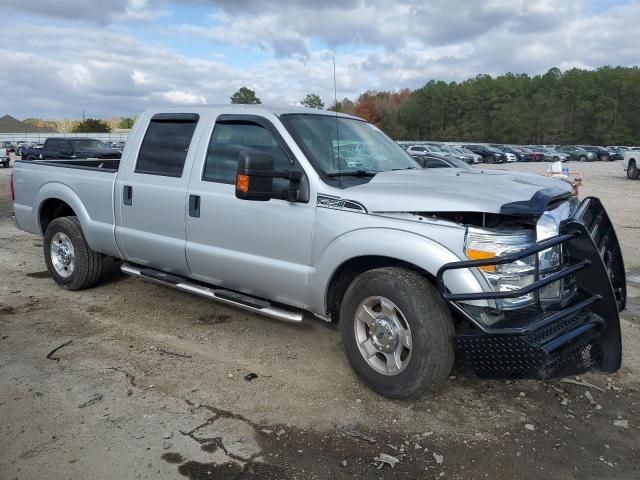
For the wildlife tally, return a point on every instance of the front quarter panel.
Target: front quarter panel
(341, 236)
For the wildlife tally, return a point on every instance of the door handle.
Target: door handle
(127, 195)
(194, 206)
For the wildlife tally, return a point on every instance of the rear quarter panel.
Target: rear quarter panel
(88, 192)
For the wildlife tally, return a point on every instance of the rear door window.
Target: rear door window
(166, 144)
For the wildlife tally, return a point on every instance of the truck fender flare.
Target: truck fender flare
(59, 191)
(395, 244)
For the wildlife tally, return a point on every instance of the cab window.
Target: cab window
(229, 138)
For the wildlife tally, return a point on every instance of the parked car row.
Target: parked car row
(501, 153)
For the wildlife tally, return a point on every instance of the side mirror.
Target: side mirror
(254, 179)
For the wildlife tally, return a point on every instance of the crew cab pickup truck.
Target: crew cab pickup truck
(258, 208)
(69, 148)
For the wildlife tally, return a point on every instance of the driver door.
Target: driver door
(262, 248)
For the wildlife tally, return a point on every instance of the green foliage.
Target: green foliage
(92, 125)
(345, 106)
(126, 122)
(41, 123)
(245, 96)
(600, 107)
(311, 100)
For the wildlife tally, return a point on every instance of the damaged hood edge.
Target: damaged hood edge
(457, 190)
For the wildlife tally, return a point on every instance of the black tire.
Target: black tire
(583, 158)
(556, 158)
(632, 170)
(88, 263)
(428, 318)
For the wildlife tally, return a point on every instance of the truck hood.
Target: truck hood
(458, 190)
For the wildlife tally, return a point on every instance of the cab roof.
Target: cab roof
(258, 109)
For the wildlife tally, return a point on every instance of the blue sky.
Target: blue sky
(118, 57)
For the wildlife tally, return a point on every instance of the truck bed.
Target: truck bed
(85, 185)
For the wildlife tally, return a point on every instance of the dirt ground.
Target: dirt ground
(153, 386)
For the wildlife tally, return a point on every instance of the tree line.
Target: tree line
(598, 107)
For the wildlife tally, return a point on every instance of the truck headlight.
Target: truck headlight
(551, 259)
(484, 244)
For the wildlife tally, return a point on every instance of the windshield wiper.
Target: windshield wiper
(357, 173)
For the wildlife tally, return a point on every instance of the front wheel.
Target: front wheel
(583, 158)
(70, 261)
(632, 170)
(397, 332)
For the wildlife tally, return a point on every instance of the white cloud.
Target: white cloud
(182, 97)
(95, 60)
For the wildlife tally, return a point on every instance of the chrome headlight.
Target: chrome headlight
(550, 260)
(485, 244)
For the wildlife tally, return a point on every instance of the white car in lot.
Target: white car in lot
(510, 157)
(422, 149)
(631, 159)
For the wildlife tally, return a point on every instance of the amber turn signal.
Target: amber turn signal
(242, 183)
(482, 255)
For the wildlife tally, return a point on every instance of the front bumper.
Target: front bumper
(578, 336)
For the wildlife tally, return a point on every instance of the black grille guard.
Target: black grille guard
(594, 257)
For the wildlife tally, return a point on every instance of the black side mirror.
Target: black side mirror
(254, 179)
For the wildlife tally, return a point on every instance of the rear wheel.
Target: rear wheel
(397, 332)
(70, 261)
(632, 170)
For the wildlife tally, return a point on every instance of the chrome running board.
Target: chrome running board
(228, 297)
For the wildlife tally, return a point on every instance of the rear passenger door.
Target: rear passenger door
(150, 195)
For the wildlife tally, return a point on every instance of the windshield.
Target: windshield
(345, 146)
(80, 143)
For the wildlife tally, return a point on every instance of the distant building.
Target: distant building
(8, 124)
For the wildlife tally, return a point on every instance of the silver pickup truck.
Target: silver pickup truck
(283, 211)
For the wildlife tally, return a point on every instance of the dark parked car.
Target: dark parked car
(31, 152)
(488, 154)
(70, 148)
(578, 153)
(616, 153)
(521, 155)
(552, 155)
(432, 160)
(601, 152)
(453, 152)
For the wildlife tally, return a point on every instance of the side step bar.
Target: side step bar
(220, 295)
